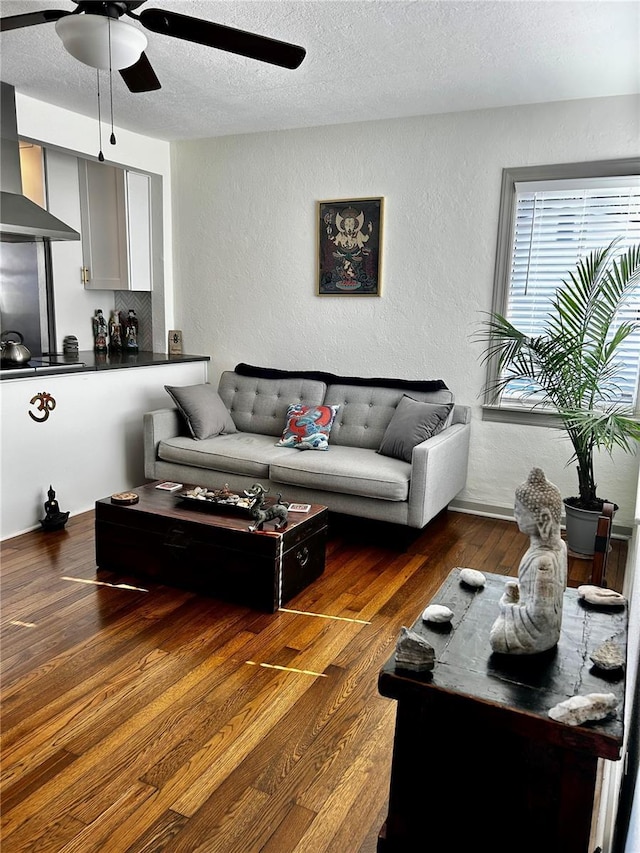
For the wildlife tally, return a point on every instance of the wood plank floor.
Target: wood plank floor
(140, 719)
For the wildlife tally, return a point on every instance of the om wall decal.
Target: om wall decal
(46, 404)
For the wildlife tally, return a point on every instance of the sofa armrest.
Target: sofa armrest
(158, 425)
(461, 414)
(438, 472)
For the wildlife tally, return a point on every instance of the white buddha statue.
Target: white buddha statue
(531, 609)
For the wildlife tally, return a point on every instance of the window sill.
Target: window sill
(515, 414)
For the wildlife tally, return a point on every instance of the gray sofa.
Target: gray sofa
(405, 484)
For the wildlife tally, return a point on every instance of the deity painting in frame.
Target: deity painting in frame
(349, 247)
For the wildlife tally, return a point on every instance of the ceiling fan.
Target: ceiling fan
(94, 34)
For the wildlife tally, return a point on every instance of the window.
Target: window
(549, 217)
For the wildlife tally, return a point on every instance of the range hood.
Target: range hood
(21, 220)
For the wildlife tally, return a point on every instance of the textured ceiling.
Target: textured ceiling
(366, 60)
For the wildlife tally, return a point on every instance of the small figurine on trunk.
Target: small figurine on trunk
(260, 513)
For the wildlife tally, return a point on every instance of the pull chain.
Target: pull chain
(100, 154)
(112, 138)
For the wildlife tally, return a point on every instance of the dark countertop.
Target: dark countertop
(88, 360)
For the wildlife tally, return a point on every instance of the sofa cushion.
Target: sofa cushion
(259, 405)
(202, 409)
(365, 412)
(412, 423)
(350, 470)
(242, 453)
(308, 427)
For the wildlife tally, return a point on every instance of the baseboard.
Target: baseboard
(618, 531)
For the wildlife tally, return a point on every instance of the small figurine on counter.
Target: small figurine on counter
(115, 332)
(100, 331)
(70, 346)
(54, 519)
(131, 330)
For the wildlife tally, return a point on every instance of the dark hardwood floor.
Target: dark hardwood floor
(139, 718)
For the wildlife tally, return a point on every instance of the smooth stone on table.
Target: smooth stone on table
(413, 652)
(580, 709)
(437, 613)
(601, 596)
(472, 577)
(608, 656)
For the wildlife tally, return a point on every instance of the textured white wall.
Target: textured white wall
(245, 257)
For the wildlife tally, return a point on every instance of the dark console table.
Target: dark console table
(477, 762)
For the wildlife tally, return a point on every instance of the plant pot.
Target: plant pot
(581, 527)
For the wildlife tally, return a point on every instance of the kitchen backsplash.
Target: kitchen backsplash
(140, 302)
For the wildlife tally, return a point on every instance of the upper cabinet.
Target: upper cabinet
(138, 210)
(116, 227)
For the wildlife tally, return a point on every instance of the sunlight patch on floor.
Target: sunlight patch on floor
(104, 583)
(324, 616)
(21, 624)
(287, 669)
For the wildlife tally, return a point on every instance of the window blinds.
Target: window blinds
(555, 224)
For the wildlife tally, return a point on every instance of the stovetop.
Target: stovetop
(39, 365)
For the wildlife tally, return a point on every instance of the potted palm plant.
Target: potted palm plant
(574, 368)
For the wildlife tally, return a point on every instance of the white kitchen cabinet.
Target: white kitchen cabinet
(104, 226)
(138, 209)
(116, 227)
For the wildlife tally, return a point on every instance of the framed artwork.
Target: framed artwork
(349, 247)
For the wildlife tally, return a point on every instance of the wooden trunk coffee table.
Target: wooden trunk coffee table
(168, 540)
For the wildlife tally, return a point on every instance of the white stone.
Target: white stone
(600, 596)
(437, 613)
(608, 656)
(579, 709)
(473, 578)
(413, 652)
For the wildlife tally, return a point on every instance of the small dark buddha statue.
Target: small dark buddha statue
(54, 519)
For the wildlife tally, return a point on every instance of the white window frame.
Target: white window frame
(513, 412)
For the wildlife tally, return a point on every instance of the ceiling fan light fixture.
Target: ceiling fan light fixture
(101, 42)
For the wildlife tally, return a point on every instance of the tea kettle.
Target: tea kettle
(13, 352)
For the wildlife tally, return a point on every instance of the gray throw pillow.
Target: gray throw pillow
(205, 413)
(412, 423)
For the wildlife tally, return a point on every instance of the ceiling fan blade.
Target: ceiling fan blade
(223, 38)
(30, 19)
(140, 77)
